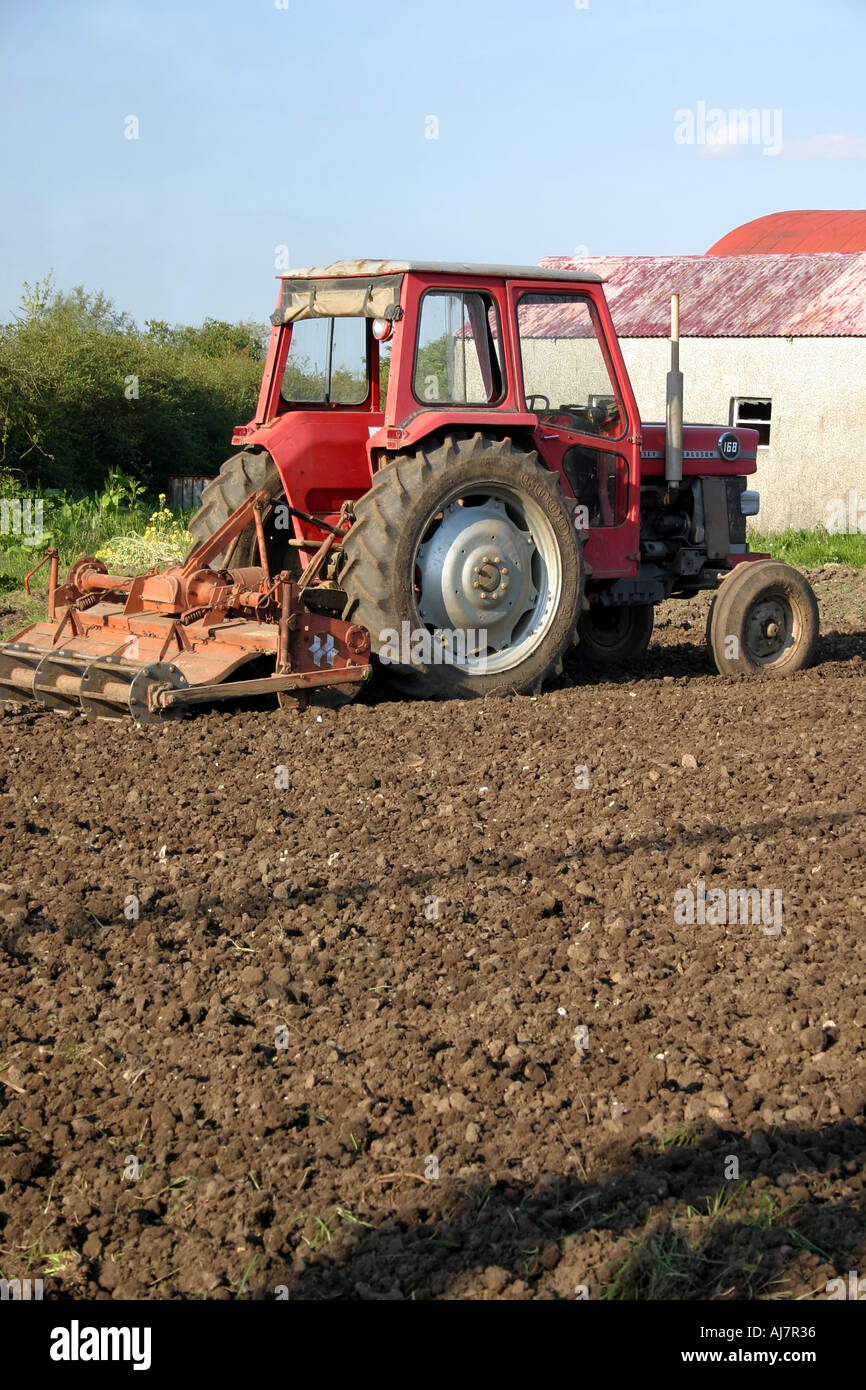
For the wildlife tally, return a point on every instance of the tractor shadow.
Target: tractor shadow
(841, 646)
(426, 880)
(691, 659)
(671, 660)
(689, 1231)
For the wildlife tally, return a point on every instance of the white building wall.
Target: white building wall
(817, 449)
(565, 370)
(818, 387)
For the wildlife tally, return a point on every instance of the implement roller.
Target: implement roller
(152, 645)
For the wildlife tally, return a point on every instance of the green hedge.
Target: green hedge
(69, 414)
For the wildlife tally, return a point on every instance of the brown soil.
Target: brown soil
(430, 913)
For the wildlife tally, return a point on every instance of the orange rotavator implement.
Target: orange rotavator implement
(152, 645)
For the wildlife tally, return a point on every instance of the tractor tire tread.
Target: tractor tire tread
(367, 575)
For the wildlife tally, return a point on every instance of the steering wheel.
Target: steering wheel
(531, 406)
(592, 415)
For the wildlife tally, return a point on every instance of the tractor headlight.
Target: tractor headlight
(382, 329)
(750, 502)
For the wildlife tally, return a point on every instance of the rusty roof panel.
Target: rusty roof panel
(770, 296)
(811, 230)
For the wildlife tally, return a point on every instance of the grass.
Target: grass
(323, 1236)
(77, 1052)
(352, 1219)
(118, 526)
(240, 1284)
(60, 1262)
(811, 549)
(682, 1137)
(47, 1264)
(718, 1250)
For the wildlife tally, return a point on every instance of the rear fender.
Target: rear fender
(427, 424)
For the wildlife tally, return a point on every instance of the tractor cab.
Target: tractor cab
(395, 352)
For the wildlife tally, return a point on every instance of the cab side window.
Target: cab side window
(457, 355)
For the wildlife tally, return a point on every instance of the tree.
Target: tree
(83, 390)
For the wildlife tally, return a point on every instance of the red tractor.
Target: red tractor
(446, 473)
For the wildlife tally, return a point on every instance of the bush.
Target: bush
(116, 525)
(165, 542)
(84, 391)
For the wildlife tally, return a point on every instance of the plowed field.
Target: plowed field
(402, 1000)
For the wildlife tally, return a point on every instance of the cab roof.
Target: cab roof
(339, 270)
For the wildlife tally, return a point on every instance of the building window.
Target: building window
(753, 413)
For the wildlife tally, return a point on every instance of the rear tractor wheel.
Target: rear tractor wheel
(239, 477)
(612, 635)
(763, 621)
(465, 567)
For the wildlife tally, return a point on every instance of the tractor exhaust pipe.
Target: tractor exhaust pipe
(674, 407)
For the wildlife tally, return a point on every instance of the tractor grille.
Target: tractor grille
(736, 521)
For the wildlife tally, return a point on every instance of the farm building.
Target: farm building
(805, 231)
(771, 338)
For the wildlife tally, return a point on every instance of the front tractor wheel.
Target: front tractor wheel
(465, 567)
(763, 621)
(610, 635)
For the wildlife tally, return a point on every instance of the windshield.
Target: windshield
(327, 362)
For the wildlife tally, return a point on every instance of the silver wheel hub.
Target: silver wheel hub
(490, 566)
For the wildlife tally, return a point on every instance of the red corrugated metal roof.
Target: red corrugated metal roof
(822, 296)
(822, 230)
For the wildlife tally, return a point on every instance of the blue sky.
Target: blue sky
(307, 126)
